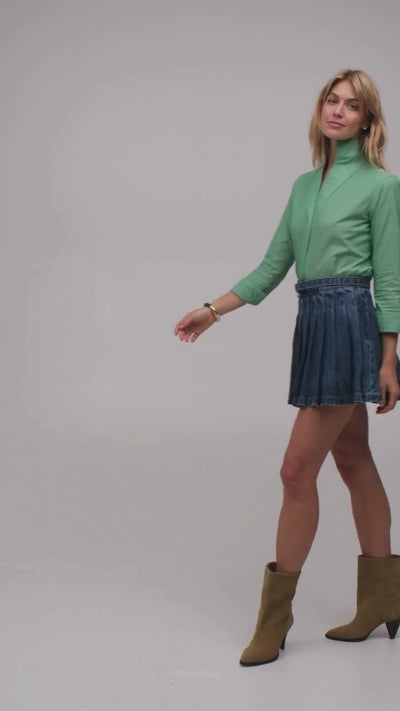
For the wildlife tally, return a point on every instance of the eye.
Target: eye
(354, 107)
(331, 101)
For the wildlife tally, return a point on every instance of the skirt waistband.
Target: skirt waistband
(305, 284)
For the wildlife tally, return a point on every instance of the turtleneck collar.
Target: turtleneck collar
(348, 151)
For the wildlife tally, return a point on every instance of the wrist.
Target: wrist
(215, 313)
(389, 363)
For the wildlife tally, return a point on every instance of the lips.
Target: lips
(335, 124)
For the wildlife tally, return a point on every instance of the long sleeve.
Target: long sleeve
(385, 236)
(278, 259)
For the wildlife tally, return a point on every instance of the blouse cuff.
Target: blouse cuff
(248, 294)
(388, 322)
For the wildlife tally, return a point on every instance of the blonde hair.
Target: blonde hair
(372, 140)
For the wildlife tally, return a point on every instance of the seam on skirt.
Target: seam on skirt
(316, 401)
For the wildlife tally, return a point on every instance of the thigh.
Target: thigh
(352, 441)
(314, 433)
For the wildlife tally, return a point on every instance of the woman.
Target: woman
(341, 227)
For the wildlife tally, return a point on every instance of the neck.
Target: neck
(331, 154)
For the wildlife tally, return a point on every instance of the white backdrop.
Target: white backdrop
(148, 150)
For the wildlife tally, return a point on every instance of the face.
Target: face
(341, 117)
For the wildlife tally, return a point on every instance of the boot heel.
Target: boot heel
(284, 640)
(392, 628)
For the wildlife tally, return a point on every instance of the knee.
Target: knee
(296, 482)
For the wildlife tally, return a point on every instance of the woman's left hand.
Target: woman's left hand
(390, 389)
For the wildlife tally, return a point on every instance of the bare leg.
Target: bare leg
(369, 502)
(314, 433)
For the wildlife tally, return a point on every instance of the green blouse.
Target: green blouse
(349, 226)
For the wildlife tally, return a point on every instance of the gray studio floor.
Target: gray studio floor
(156, 607)
(74, 637)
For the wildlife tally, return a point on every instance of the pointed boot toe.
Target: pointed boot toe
(378, 600)
(261, 652)
(345, 633)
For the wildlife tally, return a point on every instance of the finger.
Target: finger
(190, 336)
(181, 325)
(392, 400)
(182, 329)
(388, 405)
(183, 335)
(383, 401)
(384, 396)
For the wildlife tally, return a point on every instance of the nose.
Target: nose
(338, 109)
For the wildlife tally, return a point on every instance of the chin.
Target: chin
(336, 134)
(331, 134)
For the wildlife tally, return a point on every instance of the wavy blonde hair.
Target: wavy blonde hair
(372, 141)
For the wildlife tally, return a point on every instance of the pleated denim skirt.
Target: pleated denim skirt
(336, 345)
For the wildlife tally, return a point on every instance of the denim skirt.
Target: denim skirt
(336, 344)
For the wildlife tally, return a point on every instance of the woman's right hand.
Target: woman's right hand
(191, 326)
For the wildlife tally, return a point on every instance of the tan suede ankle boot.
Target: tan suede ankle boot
(275, 617)
(378, 600)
